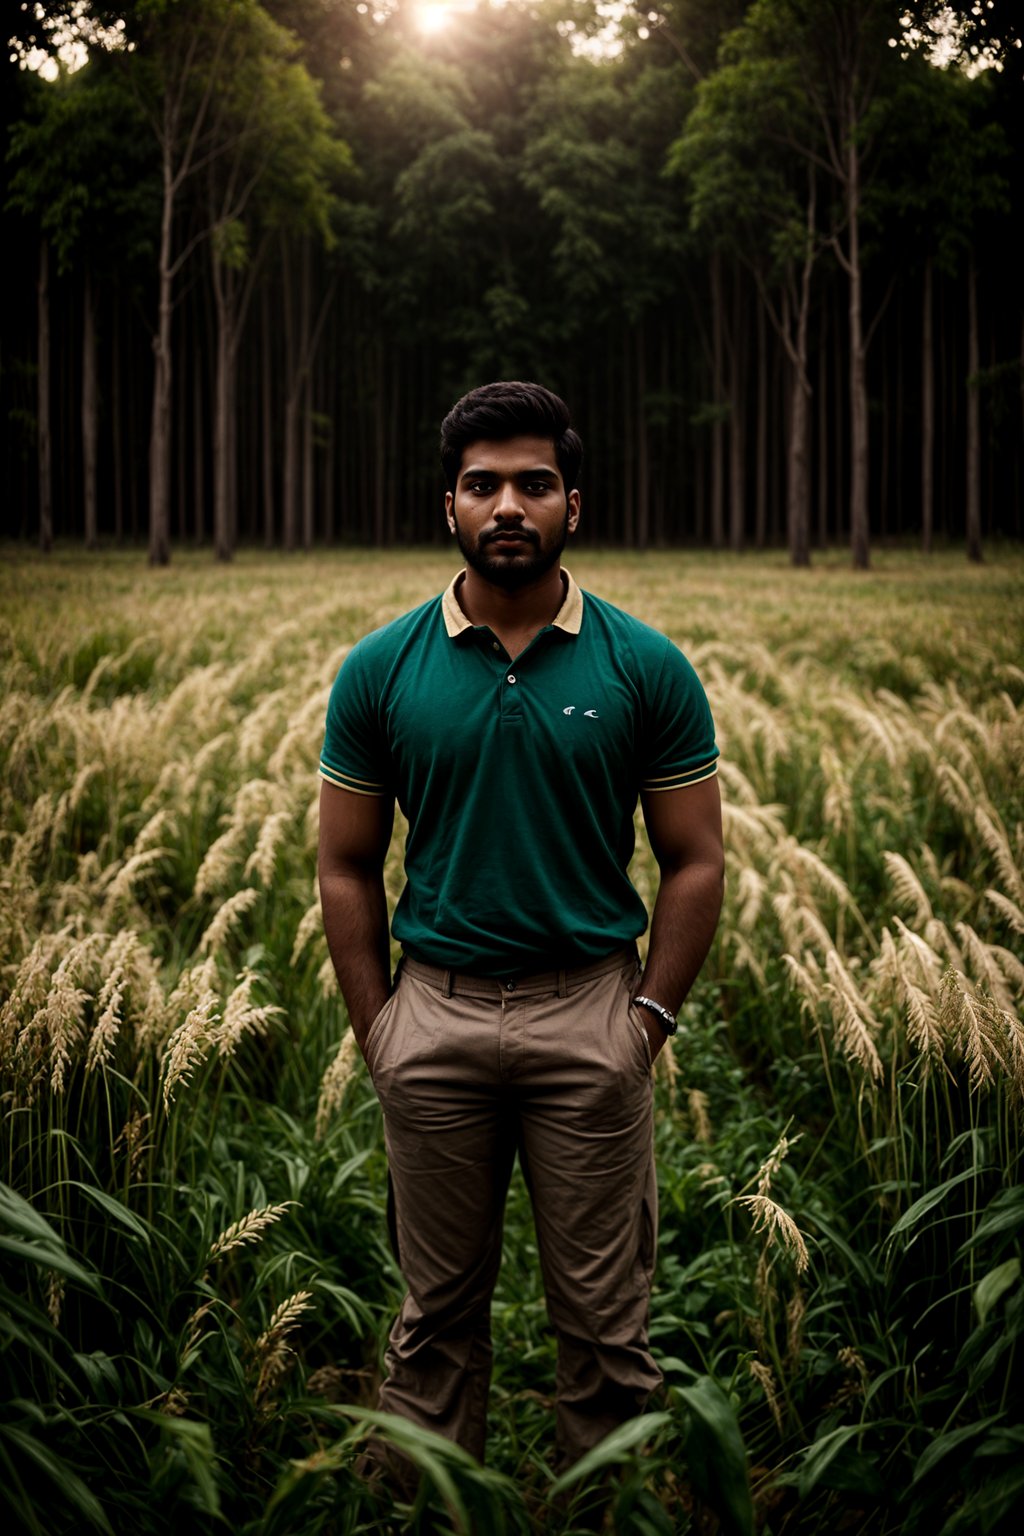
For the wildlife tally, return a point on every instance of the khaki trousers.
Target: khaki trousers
(471, 1072)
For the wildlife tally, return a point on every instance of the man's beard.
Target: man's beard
(527, 564)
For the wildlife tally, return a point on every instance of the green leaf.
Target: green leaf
(66, 1482)
(613, 1449)
(716, 1456)
(114, 1208)
(834, 1462)
(195, 1442)
(995, 1284)
(941, 1446)
(934, 1197)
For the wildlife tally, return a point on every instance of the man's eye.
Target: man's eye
(538, 488)
(481, 487)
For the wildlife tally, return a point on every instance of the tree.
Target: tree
(754, 197)
(273, 170)
(79, 174)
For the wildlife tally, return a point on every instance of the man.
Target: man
(516, 719)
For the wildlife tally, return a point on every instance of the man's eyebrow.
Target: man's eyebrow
(481, 471)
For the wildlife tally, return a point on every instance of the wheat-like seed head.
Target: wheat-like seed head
(986, 971)
(751, 888)
(1009, 910)
(806, 978)
(263, 858)
(54, 1296)
(837, 804)
(189, 1046)
(796, 1311)
(777, 1225)
(242, 1016)
(123, 880)
(765, 1379)
(907, 887)
(327, 979)
(998, 844)
(697, 1104)
(335, 1082)
(271, 1350)
(311, 924)
(855, 1023)
(249, 1229)
(229, 914)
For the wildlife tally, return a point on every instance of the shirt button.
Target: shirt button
(511, 677)
(495, 646)
(510, 986)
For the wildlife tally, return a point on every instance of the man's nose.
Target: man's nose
(507, 507)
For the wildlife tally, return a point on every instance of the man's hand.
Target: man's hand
(355, 831)
(685, 831)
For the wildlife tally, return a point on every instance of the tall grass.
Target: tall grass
(196, 1285)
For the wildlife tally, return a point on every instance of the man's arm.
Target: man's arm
(355, 831)
(685, 831)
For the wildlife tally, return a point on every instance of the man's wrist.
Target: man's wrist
(664, 1016)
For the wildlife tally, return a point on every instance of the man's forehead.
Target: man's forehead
(513, 455)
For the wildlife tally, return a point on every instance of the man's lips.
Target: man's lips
(510, 536)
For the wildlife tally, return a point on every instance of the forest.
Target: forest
(769, 252)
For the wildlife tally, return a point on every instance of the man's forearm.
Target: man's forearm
(683, 925)
(356, 923)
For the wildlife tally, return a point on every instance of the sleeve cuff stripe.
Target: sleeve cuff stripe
(681, 780)
(348, 781)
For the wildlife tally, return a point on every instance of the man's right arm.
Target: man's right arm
(355, 832)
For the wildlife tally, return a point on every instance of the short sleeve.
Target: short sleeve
(680, 746)
(355, 754)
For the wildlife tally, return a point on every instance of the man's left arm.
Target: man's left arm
(685, 831)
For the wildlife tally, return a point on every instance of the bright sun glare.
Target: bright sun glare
(435, 15)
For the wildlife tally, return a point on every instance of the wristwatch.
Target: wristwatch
(669, 1022)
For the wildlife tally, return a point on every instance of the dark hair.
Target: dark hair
(496, 412)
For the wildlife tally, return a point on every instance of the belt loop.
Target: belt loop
(562, 989)
(446, 985)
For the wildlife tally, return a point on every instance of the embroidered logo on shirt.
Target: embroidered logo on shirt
(591, 714)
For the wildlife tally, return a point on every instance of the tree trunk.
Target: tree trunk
(268, 419)
(160, 422)
(798, 479)
(628, 445)
(198, 456)
(379, 443)
(823, 436)
(860, 542)
(643, 482)
(717, 445)
(761, 451)
(89, 413)
(222, 407)
(117, 445)
(973, 420)
(43, 403)
(737, 464)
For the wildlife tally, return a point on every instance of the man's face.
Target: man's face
(510, 512)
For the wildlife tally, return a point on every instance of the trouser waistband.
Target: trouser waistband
(544, 983)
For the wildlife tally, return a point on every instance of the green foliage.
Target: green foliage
(195, 1284)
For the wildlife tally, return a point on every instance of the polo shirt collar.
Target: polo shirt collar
(569, 617)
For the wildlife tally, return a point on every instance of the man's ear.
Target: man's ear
(573, 508)
(449, 503)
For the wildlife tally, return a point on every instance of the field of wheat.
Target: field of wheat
(195, 1282)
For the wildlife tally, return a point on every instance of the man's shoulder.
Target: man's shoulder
(382, 645)
(622, 628)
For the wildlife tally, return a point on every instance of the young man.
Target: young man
(516, 719)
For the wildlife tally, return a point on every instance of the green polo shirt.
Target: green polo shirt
(519, 780)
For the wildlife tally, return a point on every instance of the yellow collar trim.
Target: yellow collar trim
(569, 617)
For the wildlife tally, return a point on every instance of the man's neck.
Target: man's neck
(515, 616)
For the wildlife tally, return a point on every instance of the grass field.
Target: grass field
(196, 1285)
